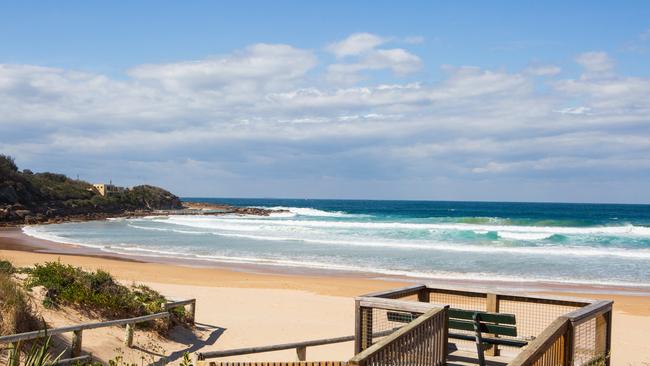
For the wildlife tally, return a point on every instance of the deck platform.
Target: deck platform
(466, 358)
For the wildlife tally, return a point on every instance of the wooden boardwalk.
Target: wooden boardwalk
(467, 358)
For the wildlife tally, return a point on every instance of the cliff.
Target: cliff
(27, 197)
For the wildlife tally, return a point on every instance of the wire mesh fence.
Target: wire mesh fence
(423, 342)
(590, 341)
(533, 315)
(587, 342)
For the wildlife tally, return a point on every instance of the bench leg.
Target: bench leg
(479, 339)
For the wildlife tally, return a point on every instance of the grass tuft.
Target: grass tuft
(16, 314)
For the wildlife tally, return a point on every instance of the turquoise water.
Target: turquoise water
(575, 243)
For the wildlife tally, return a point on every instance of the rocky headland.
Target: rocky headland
(45, 198)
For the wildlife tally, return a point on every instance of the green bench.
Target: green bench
(478, 322)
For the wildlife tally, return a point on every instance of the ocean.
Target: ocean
(597, 244)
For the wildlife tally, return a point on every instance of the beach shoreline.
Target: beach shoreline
(16, 239)
(305, 291)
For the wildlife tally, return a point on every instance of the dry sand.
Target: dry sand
(242, 308)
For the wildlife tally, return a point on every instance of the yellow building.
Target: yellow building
(107, 189)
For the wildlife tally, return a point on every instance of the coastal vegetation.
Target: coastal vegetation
(97, 293)
(28, 197)
(16, 312)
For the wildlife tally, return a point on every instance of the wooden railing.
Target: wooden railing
(561, 330)
(77, 332)
(300, 347)
(422, 342)
(565, 343)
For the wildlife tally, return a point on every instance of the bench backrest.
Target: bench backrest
(459, 319)
(491, 323)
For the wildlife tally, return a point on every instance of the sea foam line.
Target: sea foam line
(205, 222)
(127, 249)
(370, 242)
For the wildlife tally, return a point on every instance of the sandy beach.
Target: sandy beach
(302, 306)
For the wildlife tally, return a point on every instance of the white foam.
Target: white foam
(306, 211)
(524, 236)
(217, 222)
(135, 249)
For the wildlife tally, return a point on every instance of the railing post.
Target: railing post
(568, 345)
(193, 312)
(608, 342)
(128, 338)
(75, 349)
(362, 327)
(14, 354)
(423, 295)
(366, 327)
(357, 327)
(492, 306)
(301, 352)
(603, 335)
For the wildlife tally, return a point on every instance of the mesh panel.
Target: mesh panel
(589, 341)
(422, 344)
(381, 322)
(459, 301)
(464, 302)
(532, 317)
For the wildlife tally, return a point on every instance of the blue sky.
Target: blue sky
(523, 101)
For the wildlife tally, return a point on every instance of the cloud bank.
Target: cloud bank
(277, 120)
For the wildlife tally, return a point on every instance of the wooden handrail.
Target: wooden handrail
(359, 358)
(590, 311)
(539, 345)
(400, 305)
(398, 292)
(77, 330)
(67, 361)
(46, 332)
(513, 296)
(271, 348)
(284, 346)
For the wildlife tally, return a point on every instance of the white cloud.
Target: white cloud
(261, 64)
(595, 62)
(368, 56)
(260, 113)
(356, 44)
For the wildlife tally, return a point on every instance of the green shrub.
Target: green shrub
(6, 267)
(96, 292)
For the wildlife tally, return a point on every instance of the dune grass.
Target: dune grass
(16, 314)
(96, 292)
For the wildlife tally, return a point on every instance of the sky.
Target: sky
(430, 100)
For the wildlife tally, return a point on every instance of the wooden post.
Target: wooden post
(568, 345)
(75, 349)
(14, 354)
(128, 339)
(423, 295)
(492, 306)
(363, 328)
(357, 327)
(608, 342)
(302, 353)
(601, 335)
(193, 312)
